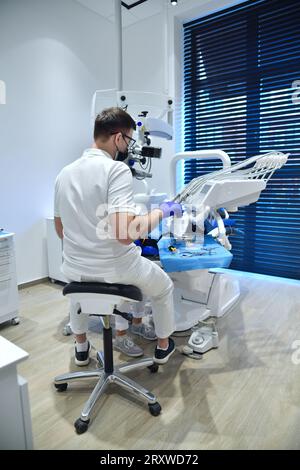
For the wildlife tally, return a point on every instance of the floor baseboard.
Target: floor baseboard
(33, 283)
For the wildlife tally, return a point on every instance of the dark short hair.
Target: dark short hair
(112, 120)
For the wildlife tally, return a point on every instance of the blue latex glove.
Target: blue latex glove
(170, 208)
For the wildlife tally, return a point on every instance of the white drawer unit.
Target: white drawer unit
(15, 416)
(9, 299)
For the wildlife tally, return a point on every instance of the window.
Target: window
(241, 73)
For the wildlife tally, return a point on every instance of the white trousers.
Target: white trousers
(154, 283)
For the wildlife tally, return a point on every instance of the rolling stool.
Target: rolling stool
(100, 298)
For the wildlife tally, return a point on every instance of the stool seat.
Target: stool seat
(120, 290)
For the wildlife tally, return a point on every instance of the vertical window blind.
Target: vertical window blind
(241, 73)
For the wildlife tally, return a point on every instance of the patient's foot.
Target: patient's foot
(146, 331)
(127, 346)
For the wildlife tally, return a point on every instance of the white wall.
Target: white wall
(53, 56)
(145, 70)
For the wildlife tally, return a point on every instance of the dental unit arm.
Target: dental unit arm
(212, 196)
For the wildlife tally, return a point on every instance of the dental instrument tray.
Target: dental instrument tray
(178, 255)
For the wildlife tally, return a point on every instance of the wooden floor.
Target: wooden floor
(244, 395)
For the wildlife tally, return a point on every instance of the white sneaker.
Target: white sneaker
(146, 331)
(126, 345)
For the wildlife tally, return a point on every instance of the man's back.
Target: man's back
(86, 191)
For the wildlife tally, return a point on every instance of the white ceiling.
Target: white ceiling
(106, 9)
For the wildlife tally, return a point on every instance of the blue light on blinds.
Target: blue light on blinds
(240, 70)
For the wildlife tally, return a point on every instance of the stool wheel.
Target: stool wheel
(81, 426)
(154, 408)
(153, 368)
(61, 387)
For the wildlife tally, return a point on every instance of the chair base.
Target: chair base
(105, 379)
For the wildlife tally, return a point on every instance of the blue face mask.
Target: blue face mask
(121, 156)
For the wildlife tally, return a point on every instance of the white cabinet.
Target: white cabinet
(9, 299)
(15, 418)
(55, 257)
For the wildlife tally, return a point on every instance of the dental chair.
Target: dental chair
(195, 249)
(101, 299)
